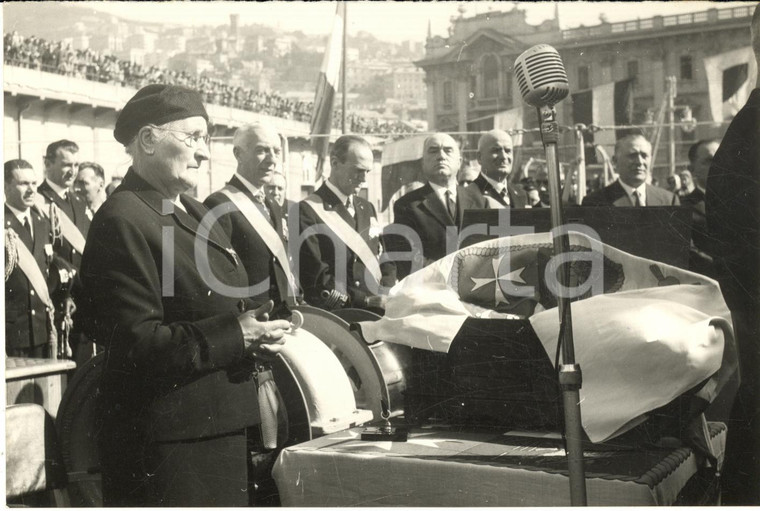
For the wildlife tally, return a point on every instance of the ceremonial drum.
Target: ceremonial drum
(328, 377)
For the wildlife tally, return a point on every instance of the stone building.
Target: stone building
(469, 73)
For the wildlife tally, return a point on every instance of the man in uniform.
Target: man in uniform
(632, 159)
(495, 158)
(166, 294)
(68, 214)
(339, 236)
(29, 330)
(434, 212)
(252, 221)
(61, 168)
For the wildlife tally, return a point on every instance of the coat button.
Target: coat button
(31, 292)
(34, 312)
(356, 283)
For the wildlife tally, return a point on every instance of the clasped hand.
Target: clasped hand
(261, 336)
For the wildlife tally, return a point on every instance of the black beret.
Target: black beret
(157, 104)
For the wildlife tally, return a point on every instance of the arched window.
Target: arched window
(490, 76)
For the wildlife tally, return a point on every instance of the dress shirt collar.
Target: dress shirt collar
(642, 189)
(500, 187)
(254, 191)
(21, 215)
(440, 191)
(60, 190)
(340, 195)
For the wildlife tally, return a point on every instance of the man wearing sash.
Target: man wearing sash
(165, 289)
(339, 236)
(61, 168)
(251, 220)
(29, 330)
(435, 211)
(67, 213)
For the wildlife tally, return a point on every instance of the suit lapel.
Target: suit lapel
(363, 216)
(332, 202)
(616, 195)
(433, 204)
(464, 201)
(12, 222)
(191, 222)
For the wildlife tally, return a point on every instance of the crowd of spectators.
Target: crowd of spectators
(57, 57)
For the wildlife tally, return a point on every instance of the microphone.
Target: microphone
(541, 76)
(543, 83)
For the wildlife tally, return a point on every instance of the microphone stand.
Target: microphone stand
(570, 372)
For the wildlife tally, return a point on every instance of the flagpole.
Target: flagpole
(343, 68)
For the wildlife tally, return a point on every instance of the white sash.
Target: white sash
(69, 230)
(262, 226)
(31, 270)
(348, 234)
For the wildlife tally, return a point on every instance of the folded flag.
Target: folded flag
(644, 332)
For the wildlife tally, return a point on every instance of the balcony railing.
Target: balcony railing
(649, 23)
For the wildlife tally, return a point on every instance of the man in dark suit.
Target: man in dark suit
(277, 192)
(632, 158)
(339, 241)
(433, 212)
(701, 155)
(257, 238)
(61, 168)
(29, 330)
(495, 158)
(732, 206)
(177, 395)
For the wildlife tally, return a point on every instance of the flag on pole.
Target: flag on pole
(327, 85)
(593, 107)
(731, 77)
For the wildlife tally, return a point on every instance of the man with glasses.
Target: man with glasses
(165, 294)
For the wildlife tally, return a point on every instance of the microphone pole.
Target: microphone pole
(543, 85)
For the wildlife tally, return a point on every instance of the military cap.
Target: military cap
(157, 104)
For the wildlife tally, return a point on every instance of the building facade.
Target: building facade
(469, 74)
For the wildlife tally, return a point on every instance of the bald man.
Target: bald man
(435, 211)
(495, 156)
(252, 221)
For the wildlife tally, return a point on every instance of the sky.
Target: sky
(393, 21)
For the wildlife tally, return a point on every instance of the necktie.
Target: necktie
(27, 225)
(504, 196)
(636, 199)
(451, 205)
(261, 204)
(350, 208)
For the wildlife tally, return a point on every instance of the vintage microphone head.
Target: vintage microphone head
(541, 76)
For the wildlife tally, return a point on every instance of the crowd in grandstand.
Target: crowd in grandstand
(58, 57)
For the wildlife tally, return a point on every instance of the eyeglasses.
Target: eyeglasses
(191, 140)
